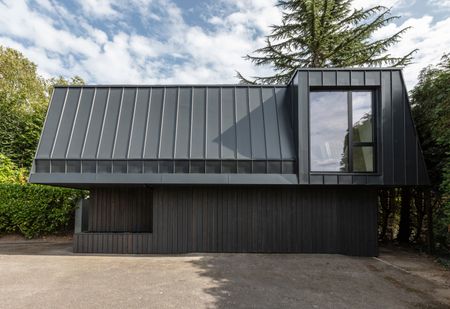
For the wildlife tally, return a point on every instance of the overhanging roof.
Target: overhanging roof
(223, 134)
(218, 134)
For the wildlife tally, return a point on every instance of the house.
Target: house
(233, 168)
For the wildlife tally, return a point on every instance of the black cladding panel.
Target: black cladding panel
(397, 156)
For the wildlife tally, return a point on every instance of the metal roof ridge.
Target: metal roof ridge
(232, 85)
(307, 69)
(169, 86)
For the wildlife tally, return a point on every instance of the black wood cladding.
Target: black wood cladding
(121, 209)
(249, 219)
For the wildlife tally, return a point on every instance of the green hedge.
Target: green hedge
(35, 210)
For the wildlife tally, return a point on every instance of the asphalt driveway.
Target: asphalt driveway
(48, 275)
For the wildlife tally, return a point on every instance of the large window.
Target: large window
(342, 131)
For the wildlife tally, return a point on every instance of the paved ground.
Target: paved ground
(47, 275)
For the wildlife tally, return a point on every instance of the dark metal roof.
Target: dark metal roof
(217, 134)
(174, 122)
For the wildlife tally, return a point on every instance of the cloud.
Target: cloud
(46, 4)
(18, 21)
(178, 52)
(443, 4)
(189, 54)
(151, 41)
(215, 55)
(99, 8)
(431, 39)
(387, 3)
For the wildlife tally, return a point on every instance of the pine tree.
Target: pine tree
(326, 33)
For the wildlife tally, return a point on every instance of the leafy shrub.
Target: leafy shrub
(35, 210)
(9, 173)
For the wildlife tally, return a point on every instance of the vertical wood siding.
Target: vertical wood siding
(224, 219)
(122, 209)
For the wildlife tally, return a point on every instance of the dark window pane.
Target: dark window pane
(182, 167)
(213, 167)
(88, 167)
(42, 166)
(73, 166)
(151, 167)
(329, 131)
(119, 167)
(274, 167)
(229, 167)
(245, 167)
(58, 167)
(166, 166)
(362, 116)
(288, 167)
(104, 167)
(135, 167)
(259, 167)
(198, 167)
(363, 159)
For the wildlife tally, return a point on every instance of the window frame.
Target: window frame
(351, 143)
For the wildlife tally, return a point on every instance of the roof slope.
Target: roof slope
(168, 122)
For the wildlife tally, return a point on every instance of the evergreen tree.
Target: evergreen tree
(326, 33)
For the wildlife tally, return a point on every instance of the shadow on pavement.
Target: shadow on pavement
(311, 281)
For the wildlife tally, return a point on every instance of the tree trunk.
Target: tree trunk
(420, 210)
(386, 211)
(429, 210)
(405, 217)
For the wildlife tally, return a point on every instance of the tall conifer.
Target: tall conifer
(326, 33)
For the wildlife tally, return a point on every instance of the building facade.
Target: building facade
(232, 168)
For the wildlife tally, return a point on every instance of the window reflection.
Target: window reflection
(333, 149)
(362, 116)
(363, 159)
(329, 130)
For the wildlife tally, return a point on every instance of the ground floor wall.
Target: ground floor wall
(231, 219)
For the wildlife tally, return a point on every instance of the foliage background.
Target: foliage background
(31, 210)
(35, 210)
(431, 110)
